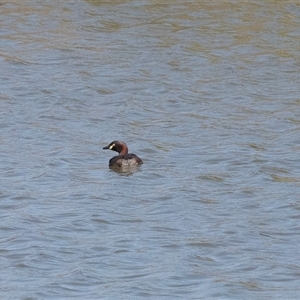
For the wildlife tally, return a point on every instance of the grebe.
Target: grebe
(124, 159)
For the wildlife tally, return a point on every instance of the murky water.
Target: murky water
(206, 94)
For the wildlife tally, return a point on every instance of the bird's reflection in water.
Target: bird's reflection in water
(125, 170)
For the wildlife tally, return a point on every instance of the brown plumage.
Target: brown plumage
(124, 159)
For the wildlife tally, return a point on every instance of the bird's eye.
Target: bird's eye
(111, 146)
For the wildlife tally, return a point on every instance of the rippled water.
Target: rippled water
(207, 94)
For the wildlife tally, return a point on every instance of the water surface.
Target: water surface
(207, 94)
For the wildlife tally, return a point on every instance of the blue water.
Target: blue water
(207, 94)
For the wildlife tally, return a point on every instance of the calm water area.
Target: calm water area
(207, 93)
